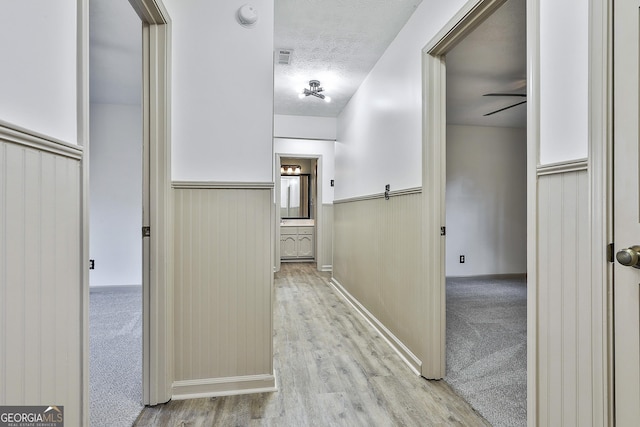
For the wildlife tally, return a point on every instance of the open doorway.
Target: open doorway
(116, 208)
(478, 189)
(297, 208)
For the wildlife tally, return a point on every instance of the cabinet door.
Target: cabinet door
(288, 246)
(305, 246)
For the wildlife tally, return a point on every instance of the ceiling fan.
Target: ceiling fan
(519, 95)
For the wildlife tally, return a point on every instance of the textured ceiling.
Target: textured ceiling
(491, 59)
(115, 53)
(334, 41)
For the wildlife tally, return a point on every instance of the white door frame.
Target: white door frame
(599, 167)
(157, 361)
(472, 14)
(157, 252)
(600, 171)
(318, 220)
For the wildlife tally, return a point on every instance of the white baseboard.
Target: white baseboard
(112, 288)
(326, 267)
(228, 386)
(403, 351)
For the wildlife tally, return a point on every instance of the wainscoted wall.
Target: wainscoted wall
(223, 289)
(570, 342)
(325, 259)
(40, 273)
(377, 264)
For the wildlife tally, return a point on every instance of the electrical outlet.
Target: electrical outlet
(92, 264)
(462, 259)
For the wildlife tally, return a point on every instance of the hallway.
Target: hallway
(332, 369)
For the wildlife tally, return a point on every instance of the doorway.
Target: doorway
(475, 163)
(116, 207)
(486, 217)
(156, 201)
(299, 224)
(298, 215)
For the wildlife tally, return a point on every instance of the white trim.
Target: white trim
(600, 189)
(115, 288)
(318, 227)
(563, 167)
(394, 342)
(326, 268)
(392, 193)
(505, 276)
(305, 139)
(218, 185)
(83, 135)
(157, 358)
(27, 138)
(228, 386)
(472, 14)
(533, 159)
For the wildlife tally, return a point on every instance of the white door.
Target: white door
(626, 212)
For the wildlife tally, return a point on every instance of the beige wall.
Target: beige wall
(325, 257)
(571, 343)
(223, 290)
(377, 261)
(41, 295)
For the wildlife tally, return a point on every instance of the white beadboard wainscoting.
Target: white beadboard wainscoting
(570, 305)
(223, 288)
(325, 257)
(377, 265)
(41, 295)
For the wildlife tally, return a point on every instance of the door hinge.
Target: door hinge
(610, 253)
(443, 231)
(146, 231)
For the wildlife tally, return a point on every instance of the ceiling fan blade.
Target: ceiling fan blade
(522, 95)
(505, 108)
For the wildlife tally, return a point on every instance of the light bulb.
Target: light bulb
(297, 170)
(327, 99)
(301, 95)
(290, 170)
(281, 170)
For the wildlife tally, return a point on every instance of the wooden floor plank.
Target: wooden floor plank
(332, 369)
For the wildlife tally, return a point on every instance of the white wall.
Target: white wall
(38, 74)
(304, 127)
(564, 37)
(42, 345)
(380, 130)
(486, 200)
(222, 93)
(312, 147)
(116, 194)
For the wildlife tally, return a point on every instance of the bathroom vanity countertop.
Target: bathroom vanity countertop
(297, 223)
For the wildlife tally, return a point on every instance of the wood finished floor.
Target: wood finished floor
(332, 369)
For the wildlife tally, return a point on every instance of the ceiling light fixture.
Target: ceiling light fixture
(314, 89)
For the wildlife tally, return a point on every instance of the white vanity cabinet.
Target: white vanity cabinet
(296, 242)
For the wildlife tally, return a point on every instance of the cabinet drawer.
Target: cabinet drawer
(288, 230)
(305, 230)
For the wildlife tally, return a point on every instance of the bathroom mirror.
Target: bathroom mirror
(294, 196)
